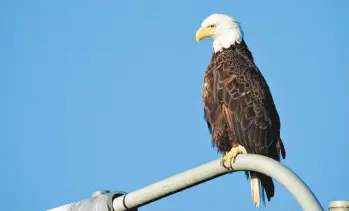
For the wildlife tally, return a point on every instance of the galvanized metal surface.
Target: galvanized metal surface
(100, 201)
(62, 208)
(213, 169)
(342, 205)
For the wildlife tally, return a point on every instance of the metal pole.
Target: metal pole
(338, 206)
(213, 169)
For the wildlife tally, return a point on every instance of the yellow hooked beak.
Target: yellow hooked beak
(203, 32)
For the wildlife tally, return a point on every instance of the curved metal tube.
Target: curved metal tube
(213, 169)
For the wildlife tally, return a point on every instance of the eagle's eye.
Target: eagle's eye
(212, 26)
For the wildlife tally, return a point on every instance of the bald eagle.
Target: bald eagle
(238, 106)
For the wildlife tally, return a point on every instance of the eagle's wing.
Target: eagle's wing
(248, 105)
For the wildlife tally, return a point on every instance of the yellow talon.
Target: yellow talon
(228, 156)
(223, 157)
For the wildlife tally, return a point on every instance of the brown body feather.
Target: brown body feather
(239, 108)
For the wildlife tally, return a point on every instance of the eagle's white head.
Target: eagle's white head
(223, 29)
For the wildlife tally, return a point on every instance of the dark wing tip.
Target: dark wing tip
(267, 184)
(283, 151)
(280, 147)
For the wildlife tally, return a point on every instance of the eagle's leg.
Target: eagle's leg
(231, 155)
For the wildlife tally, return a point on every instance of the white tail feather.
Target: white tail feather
(255, 189)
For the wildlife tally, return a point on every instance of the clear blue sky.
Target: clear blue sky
(107, 95)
